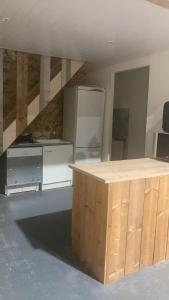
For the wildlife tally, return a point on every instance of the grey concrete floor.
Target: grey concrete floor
(36, 262)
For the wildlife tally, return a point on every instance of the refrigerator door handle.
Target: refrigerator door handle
(96, 90)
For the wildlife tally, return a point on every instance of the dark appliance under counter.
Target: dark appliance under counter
(21, 170)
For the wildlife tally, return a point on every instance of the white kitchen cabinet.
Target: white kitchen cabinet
(56, 171)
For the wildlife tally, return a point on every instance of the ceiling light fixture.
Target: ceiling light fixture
(163, 3)
(110, 42)
(4, 19)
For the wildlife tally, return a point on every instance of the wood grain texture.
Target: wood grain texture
(124, 170)
(117, 230)
(120, 227)
(27, 113)
(149, 221)
(89, 224)
(135, 220)
(22, 92)
(162, 220)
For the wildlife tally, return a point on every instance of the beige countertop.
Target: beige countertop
(123, 170)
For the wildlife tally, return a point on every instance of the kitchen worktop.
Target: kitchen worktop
(123, 170)
(42, 142)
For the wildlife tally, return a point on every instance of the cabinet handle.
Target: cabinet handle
(48, 151)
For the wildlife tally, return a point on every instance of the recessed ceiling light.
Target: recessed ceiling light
(111, 43)
(4, 19)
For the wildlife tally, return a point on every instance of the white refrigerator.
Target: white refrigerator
(83, 116)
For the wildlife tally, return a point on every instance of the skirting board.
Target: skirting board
(21, 189)
(56, 185)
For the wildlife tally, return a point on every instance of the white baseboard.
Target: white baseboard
(21, 189)
(56, 185)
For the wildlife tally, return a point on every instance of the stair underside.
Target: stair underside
(56, 84)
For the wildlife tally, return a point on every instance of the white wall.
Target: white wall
(158, 94)
(105, 79)
(158, 91)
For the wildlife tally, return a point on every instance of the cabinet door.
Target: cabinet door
(55, 163)
(24, 170)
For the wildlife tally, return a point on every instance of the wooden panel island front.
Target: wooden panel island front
(120, 216)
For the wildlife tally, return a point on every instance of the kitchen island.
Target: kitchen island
(120, 216)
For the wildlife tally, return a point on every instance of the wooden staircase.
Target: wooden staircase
(24, 112)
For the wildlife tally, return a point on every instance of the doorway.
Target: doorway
(130, 113)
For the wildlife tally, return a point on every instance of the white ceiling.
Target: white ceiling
(81, 29)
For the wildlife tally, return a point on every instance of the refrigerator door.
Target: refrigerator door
(87, 155)
(90, 113)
